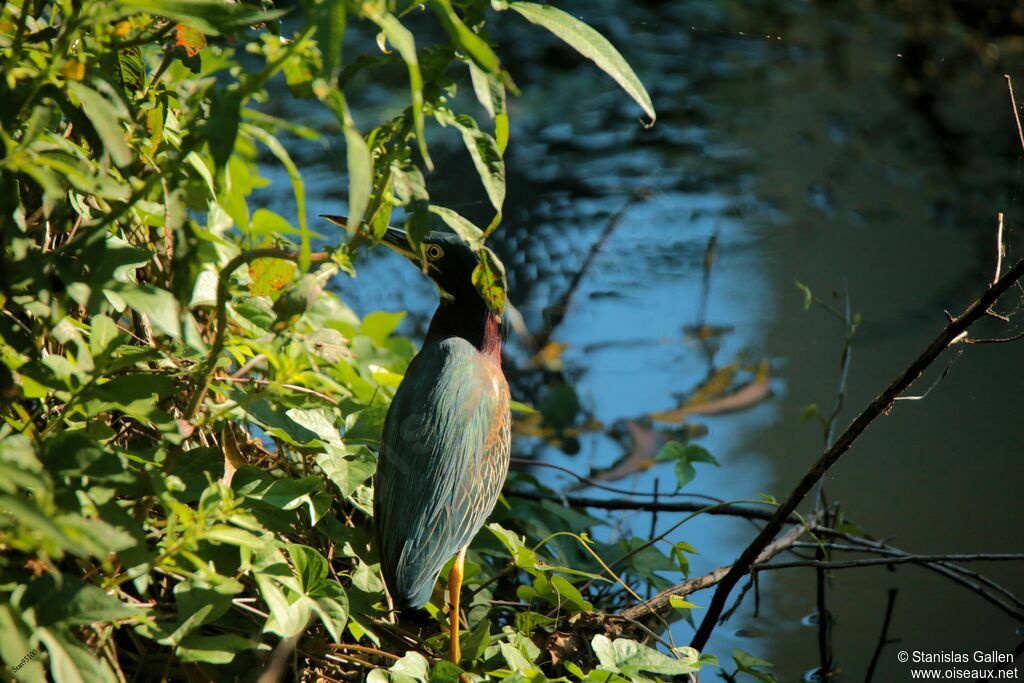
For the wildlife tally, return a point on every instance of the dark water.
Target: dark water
(856, 147)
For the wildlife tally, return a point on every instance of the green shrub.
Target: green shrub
(189, 417)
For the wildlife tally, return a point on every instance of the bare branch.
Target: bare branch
(881, 405)
(661, 602)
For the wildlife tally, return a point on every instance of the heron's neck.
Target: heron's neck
(470, 319)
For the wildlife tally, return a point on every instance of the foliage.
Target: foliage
(189, 416)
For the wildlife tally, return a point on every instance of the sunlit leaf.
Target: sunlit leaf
(591, 45)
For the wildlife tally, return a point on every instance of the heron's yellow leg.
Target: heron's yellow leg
(454, 589)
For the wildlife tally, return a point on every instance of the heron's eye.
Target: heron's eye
(434, 252)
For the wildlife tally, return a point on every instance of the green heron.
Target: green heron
(445, 448)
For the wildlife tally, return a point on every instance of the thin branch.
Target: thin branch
(293, 387)
(727, 509)
(881, 405)
(1016, 113)
(661, 602)
(982, 585)
(598, 485)
(893, 559)
(883, 637)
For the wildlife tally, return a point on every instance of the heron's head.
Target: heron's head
(443, 256)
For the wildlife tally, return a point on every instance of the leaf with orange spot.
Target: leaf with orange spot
(270, 275)
(188, 38)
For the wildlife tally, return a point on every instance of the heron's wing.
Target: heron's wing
(443, 460)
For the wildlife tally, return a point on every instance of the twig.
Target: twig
(879, 406)
(727, 509)
(892, 559)
(293, 387)
(662, 601)
(1016, 114)
(598, 485)
(883, 637)
(953, 572)
(364, 649)
(205, 370)
(1000, 249)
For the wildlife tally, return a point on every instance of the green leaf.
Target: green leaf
(347, 472)
(360, 175)
(159, 304)
(808, 294)
(630, 658)
(751, 665)
(329, 16)
(401, 38)
(222, 648)
(679, 603)
(489, 279)
(222, 126)
(270, 275)
(591, 45)
(70, 601)
(298, 188)
(474, 46)
(684, 457)
(413, 665)
(472, 235)
(14, 645)
(71, 662)
(106, 115)
(378, 325)
(212, 17)
(485, 154)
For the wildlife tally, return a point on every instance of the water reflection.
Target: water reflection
(850, 146)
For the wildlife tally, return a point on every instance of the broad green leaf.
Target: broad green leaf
(591, 45)
(329, 16)
(347, 472)
(485, 154)
(630, 658)
(222, 126)
(269, 275)
(221, 648)
(106, 115)
(158, 304)
(378, 325)
(71, 662)
(489, 279)
(360, 175)
(14, 645)
(471, 234)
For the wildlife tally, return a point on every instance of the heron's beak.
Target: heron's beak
(398, 239)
